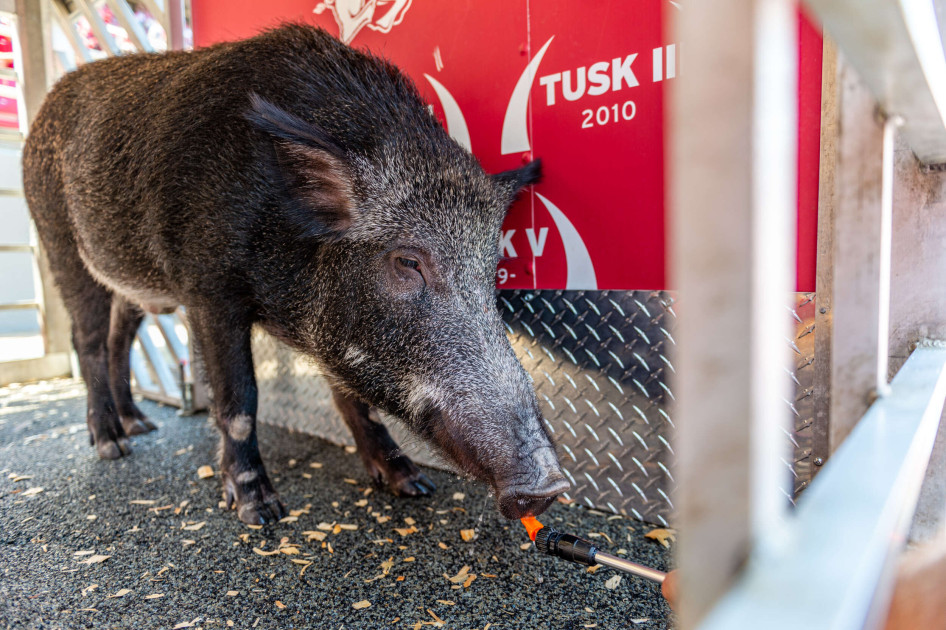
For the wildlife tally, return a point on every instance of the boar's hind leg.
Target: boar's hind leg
(223, 339)
(379, 452)
(89, 304)
(123, 325)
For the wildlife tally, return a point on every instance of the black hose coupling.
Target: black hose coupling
(565, 546)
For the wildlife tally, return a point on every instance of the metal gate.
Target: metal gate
(58, 36)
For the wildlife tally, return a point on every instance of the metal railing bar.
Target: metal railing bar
(166, 377)
(67, 25)
(17, 248)
(131, 24)
(895, 46)
(155, 395)
(166, 324)
(99, 29)
(158, 13)
(142, 374)
(828, 565)
(20, 305)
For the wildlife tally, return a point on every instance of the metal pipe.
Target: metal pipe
(18, 306)
(886, 229)
(552, 542)
(630, 567)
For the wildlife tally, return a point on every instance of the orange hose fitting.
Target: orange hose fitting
(532, 526)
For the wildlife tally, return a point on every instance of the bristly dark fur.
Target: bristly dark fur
(288, 181)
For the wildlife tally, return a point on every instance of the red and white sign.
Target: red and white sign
(8, 90)
(580, 85)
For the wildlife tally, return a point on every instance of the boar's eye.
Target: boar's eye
(409, 263)
(409, 273)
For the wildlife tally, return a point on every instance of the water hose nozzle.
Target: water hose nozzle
(566, 546)
(552, 542)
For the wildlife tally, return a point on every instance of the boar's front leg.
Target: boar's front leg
(380, 454)
(223, 338)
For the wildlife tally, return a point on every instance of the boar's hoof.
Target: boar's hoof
(137, 426)
(262, 512)
(403, 478)
(113, 449)
(256, 502)
(417, 486)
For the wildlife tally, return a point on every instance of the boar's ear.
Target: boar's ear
(314, 167)
(511, 182)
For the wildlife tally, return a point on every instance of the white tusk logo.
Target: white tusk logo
(456, 124)
(515, 128)
(581, 273)
(353, 15)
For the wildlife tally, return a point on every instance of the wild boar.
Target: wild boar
(289, 181)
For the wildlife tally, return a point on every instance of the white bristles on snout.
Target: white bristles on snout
(421, 395)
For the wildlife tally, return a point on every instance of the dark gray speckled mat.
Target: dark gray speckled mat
(177, 560)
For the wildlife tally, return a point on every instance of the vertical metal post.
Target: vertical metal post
(176, 23)
(31, 26)
(860, 319)
(733, 165)
(891, 124)
(32, 30)
(824, 282)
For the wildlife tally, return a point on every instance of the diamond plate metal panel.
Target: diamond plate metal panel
(601, 362)
(803, 404)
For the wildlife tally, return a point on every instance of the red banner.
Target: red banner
(580, 85)
(8, 91)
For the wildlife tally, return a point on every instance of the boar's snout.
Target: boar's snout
(530, 497)
(518, 502)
